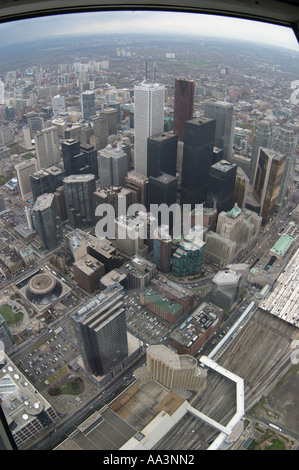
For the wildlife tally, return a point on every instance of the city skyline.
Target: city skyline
(95, 315)
(147, 22)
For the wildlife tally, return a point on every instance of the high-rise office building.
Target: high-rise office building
(162, 189)
(221, 185)
(79, 200)
(129, 234)
(263, 137)
(162, 248)
(23, 172)
(148, 118)
(197, 158)
(101, 331)
(162, 153)
(110, 114)
(138, 184)
(91, 159)
(222, 112)
(88, 104)
(70, 148)
(45, 221)
(268, 178)
(183, 105)
(88, 272)
(58, 104)
(113, 164)
(47, 147)
(46, 181)
(241, 188)
(285, 144)
(79, 159)
(100, 132)
(225, 288)
(116, 196)
(188, 257)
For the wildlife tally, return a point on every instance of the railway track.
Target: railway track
(260, 354)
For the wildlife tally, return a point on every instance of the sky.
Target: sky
(155, 22)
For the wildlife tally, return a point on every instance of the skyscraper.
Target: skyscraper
(221, 185)
(162, 189)
(197, 158)
(268, 178)
(88, 104)
(222, 112)
(91, 159)
(58, 104)
(162, 153)
(46, 181)
(263, 137)
(79, 159)
(47, 147)
(23, 171)
(285, 144)
(101, 331)
(138, 184)
(46, 224)
(162, 248)
(100, 132)
(183, 105)
(79, 200)
(148, 118)
(70, 148)
(110, 114)
(113, 166)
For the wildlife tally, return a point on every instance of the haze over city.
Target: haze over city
(149, 224)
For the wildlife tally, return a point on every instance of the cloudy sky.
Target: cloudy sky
(146, 22)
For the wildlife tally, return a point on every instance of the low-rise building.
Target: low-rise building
(191, 335)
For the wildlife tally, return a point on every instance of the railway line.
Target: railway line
(260, 354)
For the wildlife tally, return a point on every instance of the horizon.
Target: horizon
(147, 23)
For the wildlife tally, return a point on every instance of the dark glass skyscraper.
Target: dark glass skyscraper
(79, 159)
(221, 185)
(162, 189)
(45, 221)
(101, 331)
(183, 105)
(162, 153)
(79, 200)
(88, 104)
(199, 137)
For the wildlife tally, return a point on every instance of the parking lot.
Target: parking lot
(42, 365)
(143, 322)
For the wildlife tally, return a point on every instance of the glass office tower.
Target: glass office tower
(197, 158)
(221, 185)
(101, 331)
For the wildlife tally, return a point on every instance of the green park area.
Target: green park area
(67, 386)
(10, 316)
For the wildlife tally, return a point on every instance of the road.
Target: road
(69, 424)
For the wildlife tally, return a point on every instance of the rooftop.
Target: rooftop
(282, 244)
(124, 418)
(283, 301)
(223, 165)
